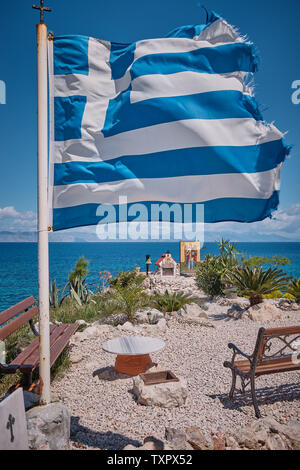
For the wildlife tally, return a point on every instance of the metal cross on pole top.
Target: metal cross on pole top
(42, 9)
(43, 221)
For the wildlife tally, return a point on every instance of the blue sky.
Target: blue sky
(272, 25)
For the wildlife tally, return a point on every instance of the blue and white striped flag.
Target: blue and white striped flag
(168, 120)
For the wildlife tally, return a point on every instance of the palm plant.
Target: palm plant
(294, 289)
(171, 302)
(109, 306)
(129, 299)
(256, 282)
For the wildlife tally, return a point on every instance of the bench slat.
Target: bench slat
(61, 343)
(290, 330)
(16, 310)
(33, 359)
(21, 358)
(14, 325)
(270, 366)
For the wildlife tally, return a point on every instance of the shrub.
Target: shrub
(129, 299)
(256, 282)
(277, 294)
(80, 270)
(128, 278)
(294, 289)
(259, 261)
(76, 286)
(209, 276)
(171, 302)
(289, 297)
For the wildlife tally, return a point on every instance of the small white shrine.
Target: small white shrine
(166, 265)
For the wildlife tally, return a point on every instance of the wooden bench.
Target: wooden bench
(275, 352)
(28, 360)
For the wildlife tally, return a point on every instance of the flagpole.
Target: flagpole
(43, 247)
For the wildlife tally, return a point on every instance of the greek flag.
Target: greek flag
(168, 120)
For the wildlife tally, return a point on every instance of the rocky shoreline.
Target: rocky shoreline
(104, 409)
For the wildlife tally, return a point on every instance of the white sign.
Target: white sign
(13, 429)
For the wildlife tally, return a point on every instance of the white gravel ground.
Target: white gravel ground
(105, 414)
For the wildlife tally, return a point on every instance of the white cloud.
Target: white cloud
(285, 225)
(15, 221)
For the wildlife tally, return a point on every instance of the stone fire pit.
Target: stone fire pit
(170, 392)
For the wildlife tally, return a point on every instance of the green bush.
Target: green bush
(294, 289)
(128, 278)
(129, 299)
(171, 302)
(209, 276)
(256, 282)
(277, 294)
(289, 297)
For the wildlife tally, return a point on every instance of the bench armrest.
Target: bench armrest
(237, 351)
(8, 369)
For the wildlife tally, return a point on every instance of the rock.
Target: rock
(192, 310)
(48, 427)
(291, 432)
(231, 443)
(162, 325)
(115, 319)
(229, 302)
(151, 316)
(176, 438)
(218, 440)
(287, 305)
(196, 439)
(89, 333)
(128, 326)
(131, 447)
(75, 357)
(235, 311)
(266, 434)
(263, 312)
(30, 399)
(151, 443)
(275, 442)
(196, 321)
(83, 322)
(165, 395)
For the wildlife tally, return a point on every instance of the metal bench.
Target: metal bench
(28, 360)
(270, 356)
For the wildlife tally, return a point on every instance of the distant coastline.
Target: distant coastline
(85, 237)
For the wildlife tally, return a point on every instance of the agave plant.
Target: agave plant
(54, 295)
(76, 288)
(256, 282)
(171, 302)
(294, 289)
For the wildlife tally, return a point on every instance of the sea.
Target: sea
(18, 262)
